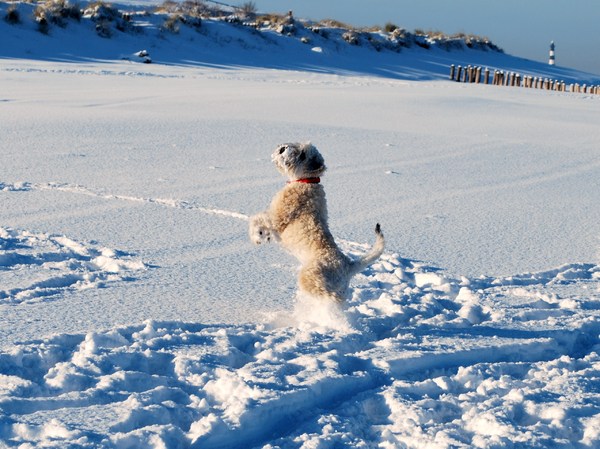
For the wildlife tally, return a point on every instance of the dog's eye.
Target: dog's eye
(259, 232)
(281, 150)
(302, 157)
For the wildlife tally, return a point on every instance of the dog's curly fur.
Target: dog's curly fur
(297, 218)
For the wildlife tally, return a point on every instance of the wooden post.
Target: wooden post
(478, 75)
(459, 70)
(486, 75)
(584, 88)
(452, 72)
(469, 74)
(465, 75)
(518, 80)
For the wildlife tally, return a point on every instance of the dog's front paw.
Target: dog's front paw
(260, 230)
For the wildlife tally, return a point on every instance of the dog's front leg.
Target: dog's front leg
(260, 229)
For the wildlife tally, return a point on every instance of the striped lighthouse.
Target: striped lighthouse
(551, 59)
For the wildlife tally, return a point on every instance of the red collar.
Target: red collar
(307, 180)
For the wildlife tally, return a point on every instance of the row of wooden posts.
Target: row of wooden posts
(471, 74)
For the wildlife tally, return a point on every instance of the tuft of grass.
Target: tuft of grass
(331, 23)
(188, 12)
(199, 8)
(103, 29)
(12, 15)
(43, 25)
(248, 10)
(101, 11)
(105, 15)
(269, 19)
(390, 27)
(351, 37)
(168, 6)
(57, 12)
(171, 23)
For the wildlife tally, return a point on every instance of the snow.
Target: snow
(134, 312)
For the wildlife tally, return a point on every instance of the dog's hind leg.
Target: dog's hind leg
(313, 280)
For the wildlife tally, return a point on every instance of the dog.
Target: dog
(297, 219)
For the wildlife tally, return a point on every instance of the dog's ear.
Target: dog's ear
(308, 147)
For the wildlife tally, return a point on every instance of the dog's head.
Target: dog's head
(298, 160)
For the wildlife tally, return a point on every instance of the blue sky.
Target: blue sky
(521, 27)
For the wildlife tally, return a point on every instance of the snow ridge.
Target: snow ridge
(173, 38)
(81, 190)
(36, 267)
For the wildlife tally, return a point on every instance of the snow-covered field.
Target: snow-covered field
(135, 313)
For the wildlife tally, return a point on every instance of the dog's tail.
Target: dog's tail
(370, 257)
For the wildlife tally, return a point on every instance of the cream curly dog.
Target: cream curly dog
(297, 218)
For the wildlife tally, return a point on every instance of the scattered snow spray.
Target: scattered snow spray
(551, 57)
